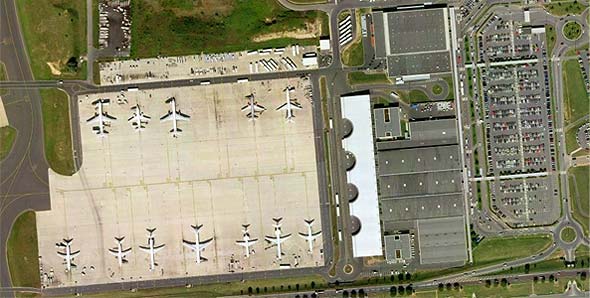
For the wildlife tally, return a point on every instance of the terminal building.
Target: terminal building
(415, 43)
(407, 203)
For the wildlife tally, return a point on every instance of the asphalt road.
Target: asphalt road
(23, 174)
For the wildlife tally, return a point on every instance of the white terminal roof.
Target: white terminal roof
(325, 44)
(367, 242)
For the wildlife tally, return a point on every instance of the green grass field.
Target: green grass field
(226, 289)
(54, 31)
(572, 30)
(179, 27)
(3, 76)
(571, 142)
(568, 234)
(7, 137)
(579, 194)
(449, 80)
(495, 250)
(354, 54)
(551, 37)
(361, 78)
(23, 258)
(566, 7)
(57, 133)
(437, 89)
(575, 96)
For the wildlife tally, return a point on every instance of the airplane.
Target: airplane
(151, 249)
(197, 246)
(310, 236)
(174, 115)
(100, 117)
(119, 251)
(138, 119)
(68, 255)
(289, 105)
(277, 239)
(246, 241)
(253, 108)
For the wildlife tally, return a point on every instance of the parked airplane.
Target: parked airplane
(277, 239)
(138, 119)
(68, 255)
(246, 241)
(289, 105)
(174, 115)
(119, 251)
(310, 236)
(197, 246)
(101, 118)
(151, 248)
(252, 107)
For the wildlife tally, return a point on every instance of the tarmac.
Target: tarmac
(223, 171)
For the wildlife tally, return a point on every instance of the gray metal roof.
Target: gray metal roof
(442, 240)
(387, 122)
(398, 248)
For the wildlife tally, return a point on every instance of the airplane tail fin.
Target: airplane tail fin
(120, 239)
(309, 222)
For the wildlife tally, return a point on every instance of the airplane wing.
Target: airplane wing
(205, 243)
(113, 252)
(167, 117)
(182, 117)
(125, 251)
(189, 244)
(285, 237)
(61, 254)
(93, 119)
(74, 254)
(295, 105)
(282, 107)
(131, 118)
(158, 248)
(144, 249)
(109, 117)
(246, 107)
(259, 108)
(144, 117)
(244, 244)
(271, 239)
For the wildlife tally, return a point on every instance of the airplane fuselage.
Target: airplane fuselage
(151, 244)
(278, 238)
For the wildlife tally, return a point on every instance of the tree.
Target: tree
(361, 293)
(488, 283)
(527, 268)
(551, 278)
(353, 293)
(408, 276)
(583, 275)
(72, 64)
(409, 290)
(401, 290)
(504, 282)
(313, 284)
(393, 291)
(249, 290)
(400, 277)
(536, 279)
(456, 286)
(496, 282)
(391, 278)
(441, 287)
(345, 294)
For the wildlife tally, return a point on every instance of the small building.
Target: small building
(398, 248)
(310, 59)
(387, 123)
(324, 44)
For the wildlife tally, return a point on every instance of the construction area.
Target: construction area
(222, 172)
(208, 65)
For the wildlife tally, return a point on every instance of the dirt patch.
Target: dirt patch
(312, 30)
(370, 261)
(54, 66)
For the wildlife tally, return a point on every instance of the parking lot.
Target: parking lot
(223, 171)
(518, 121)
(206, 65)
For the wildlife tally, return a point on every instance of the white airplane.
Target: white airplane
(253, 108)
(289, 105)
(119, 251)
(246, 241)
(174, 115)
(68, 255)
(138, 119)
(151, 248)
(277, 239)
(100, 118)
(197, 246)
(310, 236)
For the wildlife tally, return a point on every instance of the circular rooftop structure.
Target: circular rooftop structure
(353, 192)
(355, 225)
(346, 128)
(349, 160)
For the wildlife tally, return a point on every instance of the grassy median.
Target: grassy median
(179, 27)
(579, 178)
(362, 78)
(54, 31)
(575, 95)
(503, 249)
(7, 137)
(57, 132)
(23, 257)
